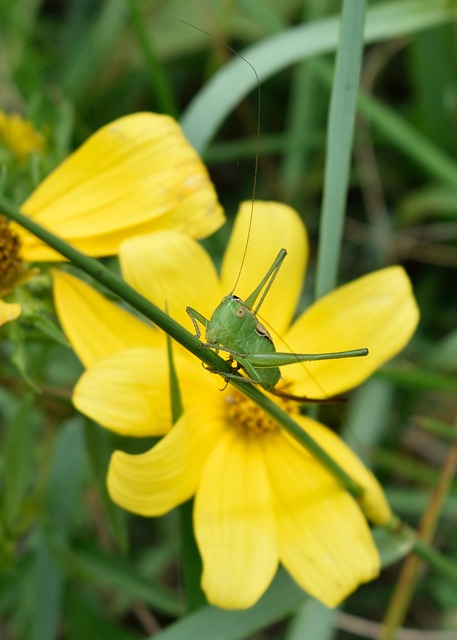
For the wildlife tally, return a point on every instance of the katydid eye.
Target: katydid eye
(241, 312)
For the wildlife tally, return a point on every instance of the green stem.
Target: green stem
(191, 559)
(113, 282)
(339, 143)
(423, 548)
(435, 559)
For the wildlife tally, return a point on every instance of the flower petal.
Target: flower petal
(274, 226)
(95, 326)
(20, 135)
(154, 482)
(9, 311)
(135, 175)
(234, 523)
(324, 540)
(173, 271)
(377, 311)
(127, 392)
(373, 502)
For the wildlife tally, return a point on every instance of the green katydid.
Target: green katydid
(235, 329)
(234, 326)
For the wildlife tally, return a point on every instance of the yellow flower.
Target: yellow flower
(20, 136)
(135, 175)
(11, 270)
(260, 498)
(8, 311)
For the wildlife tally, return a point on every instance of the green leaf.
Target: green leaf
(91, 48)
(47, 589)
(393, 546)
(85, 618)
(112, 572)
(191, 559)
(444, 354)
(99, 448)
(339, 144)
(64, 487)
(425, 153)
(18, 465)
(314, 620)
(66, 473)
(175, 392)
(439, 428)
(19, 355)
(235, 80)
(47, 327)
(418, 378)
(210, 623)
(431, 202)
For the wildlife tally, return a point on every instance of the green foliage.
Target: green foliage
(72, 564)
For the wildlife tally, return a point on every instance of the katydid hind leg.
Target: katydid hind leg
(279, 393)
(280, 359)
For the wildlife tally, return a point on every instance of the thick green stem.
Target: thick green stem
(113, 282)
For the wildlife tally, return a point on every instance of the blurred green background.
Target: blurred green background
(73, 565)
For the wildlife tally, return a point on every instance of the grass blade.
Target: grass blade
(230, 85)
(339, 144)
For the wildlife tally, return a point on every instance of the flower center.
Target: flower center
(10, 259)
(243, 413)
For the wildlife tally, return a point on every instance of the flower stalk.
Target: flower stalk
(118, 286)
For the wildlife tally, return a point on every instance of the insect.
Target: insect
(234, 326)
(235, 329)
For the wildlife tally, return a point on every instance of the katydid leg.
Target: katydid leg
(194, 316)
(279, 359)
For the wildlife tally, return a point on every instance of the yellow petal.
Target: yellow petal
(377, 311)
(20, 135)
(127, 392)
(135, 175)
(154, 482)
(274, 226)
(234, 523)
(94, 326)
(373, 502)
(173, 271)
(9, 311)
(324, 540)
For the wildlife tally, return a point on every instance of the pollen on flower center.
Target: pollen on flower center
(10, 258)
(243, 413)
